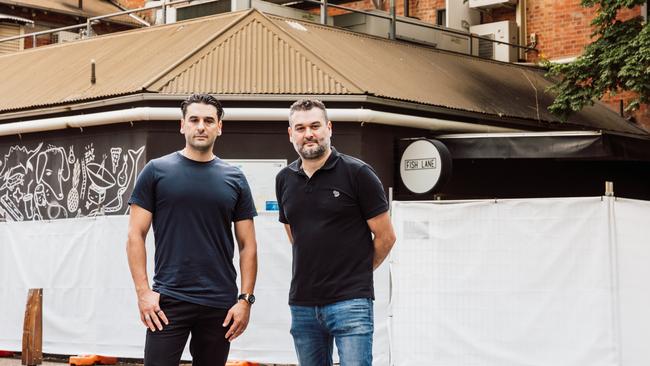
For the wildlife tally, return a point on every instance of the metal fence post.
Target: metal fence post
(323, 12)
(164, 11)
(393, 20)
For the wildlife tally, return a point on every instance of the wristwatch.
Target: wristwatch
(250, 298)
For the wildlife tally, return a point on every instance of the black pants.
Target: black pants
(208, 345)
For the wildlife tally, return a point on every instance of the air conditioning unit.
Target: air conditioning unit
(488, 4)
(505, 31)
(65, 36)
(459, 16)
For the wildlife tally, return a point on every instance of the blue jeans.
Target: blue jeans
(350, 323)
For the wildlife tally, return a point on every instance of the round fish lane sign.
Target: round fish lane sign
(425, 165)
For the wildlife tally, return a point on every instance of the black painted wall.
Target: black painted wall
(74, 173)
(71, 173)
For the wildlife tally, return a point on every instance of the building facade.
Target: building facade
(558, 29)
(19, 17)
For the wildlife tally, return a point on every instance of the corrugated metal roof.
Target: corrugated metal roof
(415, 73)
(250, 53)
(90, 8)
(254, 58)
(125, 63)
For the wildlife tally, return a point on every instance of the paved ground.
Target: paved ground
(48, 361)
(60, 361)
(16, 362)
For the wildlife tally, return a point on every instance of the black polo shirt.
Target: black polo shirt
(332, 243)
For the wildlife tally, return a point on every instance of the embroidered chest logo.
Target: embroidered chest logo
(336, 193)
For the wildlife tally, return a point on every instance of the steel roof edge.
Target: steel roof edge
(573, 122)
(413, 108)
(15, 18)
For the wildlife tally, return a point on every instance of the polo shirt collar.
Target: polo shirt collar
(329, 163)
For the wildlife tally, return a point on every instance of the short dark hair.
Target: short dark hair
(306, 105)
(202, 99)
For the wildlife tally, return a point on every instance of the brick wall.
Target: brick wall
(563, 28)
(131, 4)
(424, 10)
(361, 5)
(500, 14)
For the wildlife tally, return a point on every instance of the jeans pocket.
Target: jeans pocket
(352, 316)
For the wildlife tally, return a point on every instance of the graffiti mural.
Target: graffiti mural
(54, 182)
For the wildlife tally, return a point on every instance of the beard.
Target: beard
(315, 152)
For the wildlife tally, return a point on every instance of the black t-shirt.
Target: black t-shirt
(332, 243)
(194, 205)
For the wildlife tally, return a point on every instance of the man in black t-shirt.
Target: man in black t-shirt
(192, 198)
(331, 205)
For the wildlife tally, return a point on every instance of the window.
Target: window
(201, 10)
(441, 14)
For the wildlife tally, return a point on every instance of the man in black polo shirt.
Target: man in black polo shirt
(331, 205)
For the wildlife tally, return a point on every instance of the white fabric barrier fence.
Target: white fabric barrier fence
(89, 304)
(521, 282)
(513, 282)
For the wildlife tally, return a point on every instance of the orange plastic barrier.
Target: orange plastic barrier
(83, 360)
(241, 363)
(6, 354)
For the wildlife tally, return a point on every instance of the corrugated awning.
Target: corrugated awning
(15, 19)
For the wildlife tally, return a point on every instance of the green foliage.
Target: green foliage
(618, 60)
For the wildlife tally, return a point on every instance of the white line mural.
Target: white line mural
(50, 182)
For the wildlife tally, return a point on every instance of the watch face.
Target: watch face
(248, 297)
